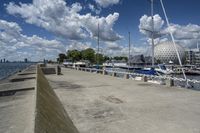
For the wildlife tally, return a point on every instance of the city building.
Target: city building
(140, 60)
(197, 58)
(190, 57)
(193, 56)
(166, 53)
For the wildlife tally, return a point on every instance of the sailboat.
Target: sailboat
(159, 69)
(150, 71)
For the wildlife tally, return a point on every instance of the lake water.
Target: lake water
(7, 69)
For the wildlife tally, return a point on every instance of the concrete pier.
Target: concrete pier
(84, 102)
(50, 116)
(105, 104)
(31, 106)
(17, 103)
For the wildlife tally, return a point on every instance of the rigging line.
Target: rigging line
(173, 40)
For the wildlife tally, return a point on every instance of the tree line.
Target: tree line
(87, 54)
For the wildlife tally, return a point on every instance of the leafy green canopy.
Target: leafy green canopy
(87, 54)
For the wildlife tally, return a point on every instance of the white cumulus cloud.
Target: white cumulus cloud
(186, 35)
(97, 10)
(106, 3)
(65, 20)
(145, 25)
(17, 46)
(78, 45)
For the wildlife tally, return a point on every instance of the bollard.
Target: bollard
(42, 65)
(145, 79)
(91, 70)
(171, 82)
(96, 71)
(114, 74)
(126, 76)
(100, 72)
(104, 72)
(58, 70)
(163, 82)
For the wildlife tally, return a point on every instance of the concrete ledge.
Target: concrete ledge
(48, 70)
(42, 65)
(17, 104)
(18, 79)
(51, 116)
(28, 73)
(16, 86)
(12, 92)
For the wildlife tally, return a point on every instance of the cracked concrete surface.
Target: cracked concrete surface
(104, 104)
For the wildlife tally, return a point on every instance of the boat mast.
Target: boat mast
(152, 35)
(98, 47)
(129, 47)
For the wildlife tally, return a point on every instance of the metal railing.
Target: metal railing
(131, 75)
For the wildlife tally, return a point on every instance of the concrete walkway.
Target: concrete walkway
(104, 104)
(17, 103)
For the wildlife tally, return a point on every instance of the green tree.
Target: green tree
(121, 58)
(88, 54)
(61, 57)
(74, 55)
(99, 58)
(106, 58)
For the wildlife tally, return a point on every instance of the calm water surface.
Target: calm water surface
(7, 69)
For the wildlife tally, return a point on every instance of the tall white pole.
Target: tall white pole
(152, 35)
(98, 47)
(129, 49)
(173, 40)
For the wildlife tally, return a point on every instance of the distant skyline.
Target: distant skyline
(38, 29)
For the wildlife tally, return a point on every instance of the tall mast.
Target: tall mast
(129, 47)
(98, 46)
(152, 35)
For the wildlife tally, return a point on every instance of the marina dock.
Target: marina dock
(85, 102)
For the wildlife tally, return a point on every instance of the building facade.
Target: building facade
(193, 56)
(166, 53)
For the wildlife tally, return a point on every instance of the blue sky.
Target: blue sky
(47, 32)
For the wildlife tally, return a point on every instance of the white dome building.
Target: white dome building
(165, 53)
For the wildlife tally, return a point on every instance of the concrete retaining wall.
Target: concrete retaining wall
(51, 116)
(48, 70)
